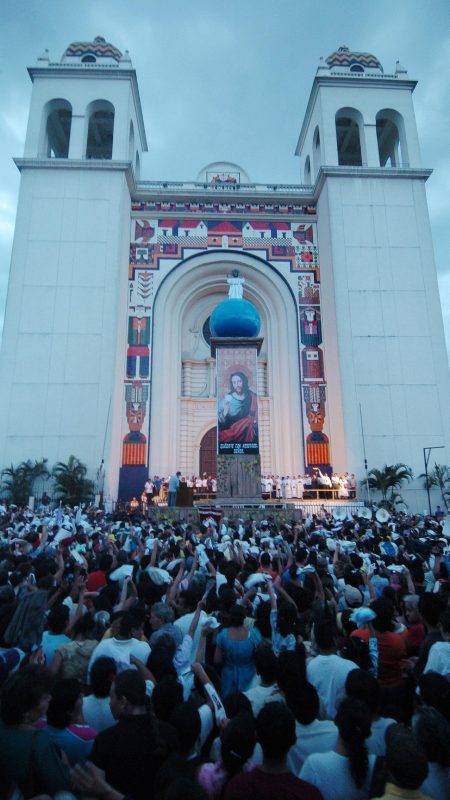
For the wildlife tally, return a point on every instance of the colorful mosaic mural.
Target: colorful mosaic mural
(158, 242)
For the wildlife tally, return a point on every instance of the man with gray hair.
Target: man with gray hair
(161, 621)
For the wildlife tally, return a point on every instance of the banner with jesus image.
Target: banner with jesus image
(237, 401)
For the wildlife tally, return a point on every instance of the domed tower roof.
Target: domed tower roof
(346, 59)
(89, 52)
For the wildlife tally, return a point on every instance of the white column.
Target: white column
(76, 144)
(372, 155)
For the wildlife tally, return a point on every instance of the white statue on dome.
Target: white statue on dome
(236, 284)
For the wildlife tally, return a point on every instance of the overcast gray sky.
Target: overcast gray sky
(229, 80)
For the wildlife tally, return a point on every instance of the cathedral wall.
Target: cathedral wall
(389, 324)
(65, 304)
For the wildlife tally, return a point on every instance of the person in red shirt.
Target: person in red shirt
(97, 579)
(275, 731)
(391, 646)
(266, 566)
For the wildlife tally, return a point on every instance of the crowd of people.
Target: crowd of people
(227, 659)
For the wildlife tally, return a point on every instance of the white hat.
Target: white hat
(257, 578)
(158, 575)
(121, 572)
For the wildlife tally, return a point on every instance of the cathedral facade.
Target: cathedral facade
(114, 277)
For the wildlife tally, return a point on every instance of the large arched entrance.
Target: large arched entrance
(208, 453)
(183, 393)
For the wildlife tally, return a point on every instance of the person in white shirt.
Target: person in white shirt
(187, 603)
(299, 490)
(96, 709)
(313, 735)
(267, 691)
(124, 645)
(432, 732)
(361, 685)
(439, 655)
(344, 773)
(328, 671)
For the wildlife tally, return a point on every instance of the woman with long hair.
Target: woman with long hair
(238, 741)
(344, 773)
(235, 650)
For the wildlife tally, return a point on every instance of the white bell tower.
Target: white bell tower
(386, 360)
(65, 327)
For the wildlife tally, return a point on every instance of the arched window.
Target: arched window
(356, 68)
(100, 130)
(349, 127)
(58, 121)
(131, 141)
(317, 156)
(138, 166)
(392, 148)
(88, 59)
(307, 172)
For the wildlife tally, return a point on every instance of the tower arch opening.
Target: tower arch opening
(317, 155)
(100, 130)
(57, 117)
(350, 137)
(391, 137)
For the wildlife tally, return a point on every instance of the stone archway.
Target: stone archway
(175, 433)
(208, 453)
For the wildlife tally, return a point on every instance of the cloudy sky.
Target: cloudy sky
(229, 80)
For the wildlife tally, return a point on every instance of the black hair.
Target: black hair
(353, 720)
(433, 734)
(84, 626)
(265, 560)
(275, 730)
(384, 610)
(105, 561)
(304, 703)
(405, 760)
(186, 721)
(58, 618)
(65, 694)
(435, 692)
(266, 662)
(445, 621)
(131, 685)
(291, 668)
(430, 607)
(287, 618)
(325, 634)
(103, 672)
(354, 649)
(22, 692)
(129, 621)
(160, 660)
(237, 616)
(361, 685)
(167, 694)
(262, 620)
(184, 788)
(238, 743)
(237, 703)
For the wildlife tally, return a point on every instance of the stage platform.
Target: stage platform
(293, 509)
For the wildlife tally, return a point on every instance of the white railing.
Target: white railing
(225, 188)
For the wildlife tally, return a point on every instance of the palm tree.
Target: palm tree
(18, 481)
(388, 480)
(439, 478)
(71, 484)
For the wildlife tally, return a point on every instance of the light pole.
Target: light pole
(426, 459)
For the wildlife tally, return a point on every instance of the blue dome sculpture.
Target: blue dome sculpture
(235, 317)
